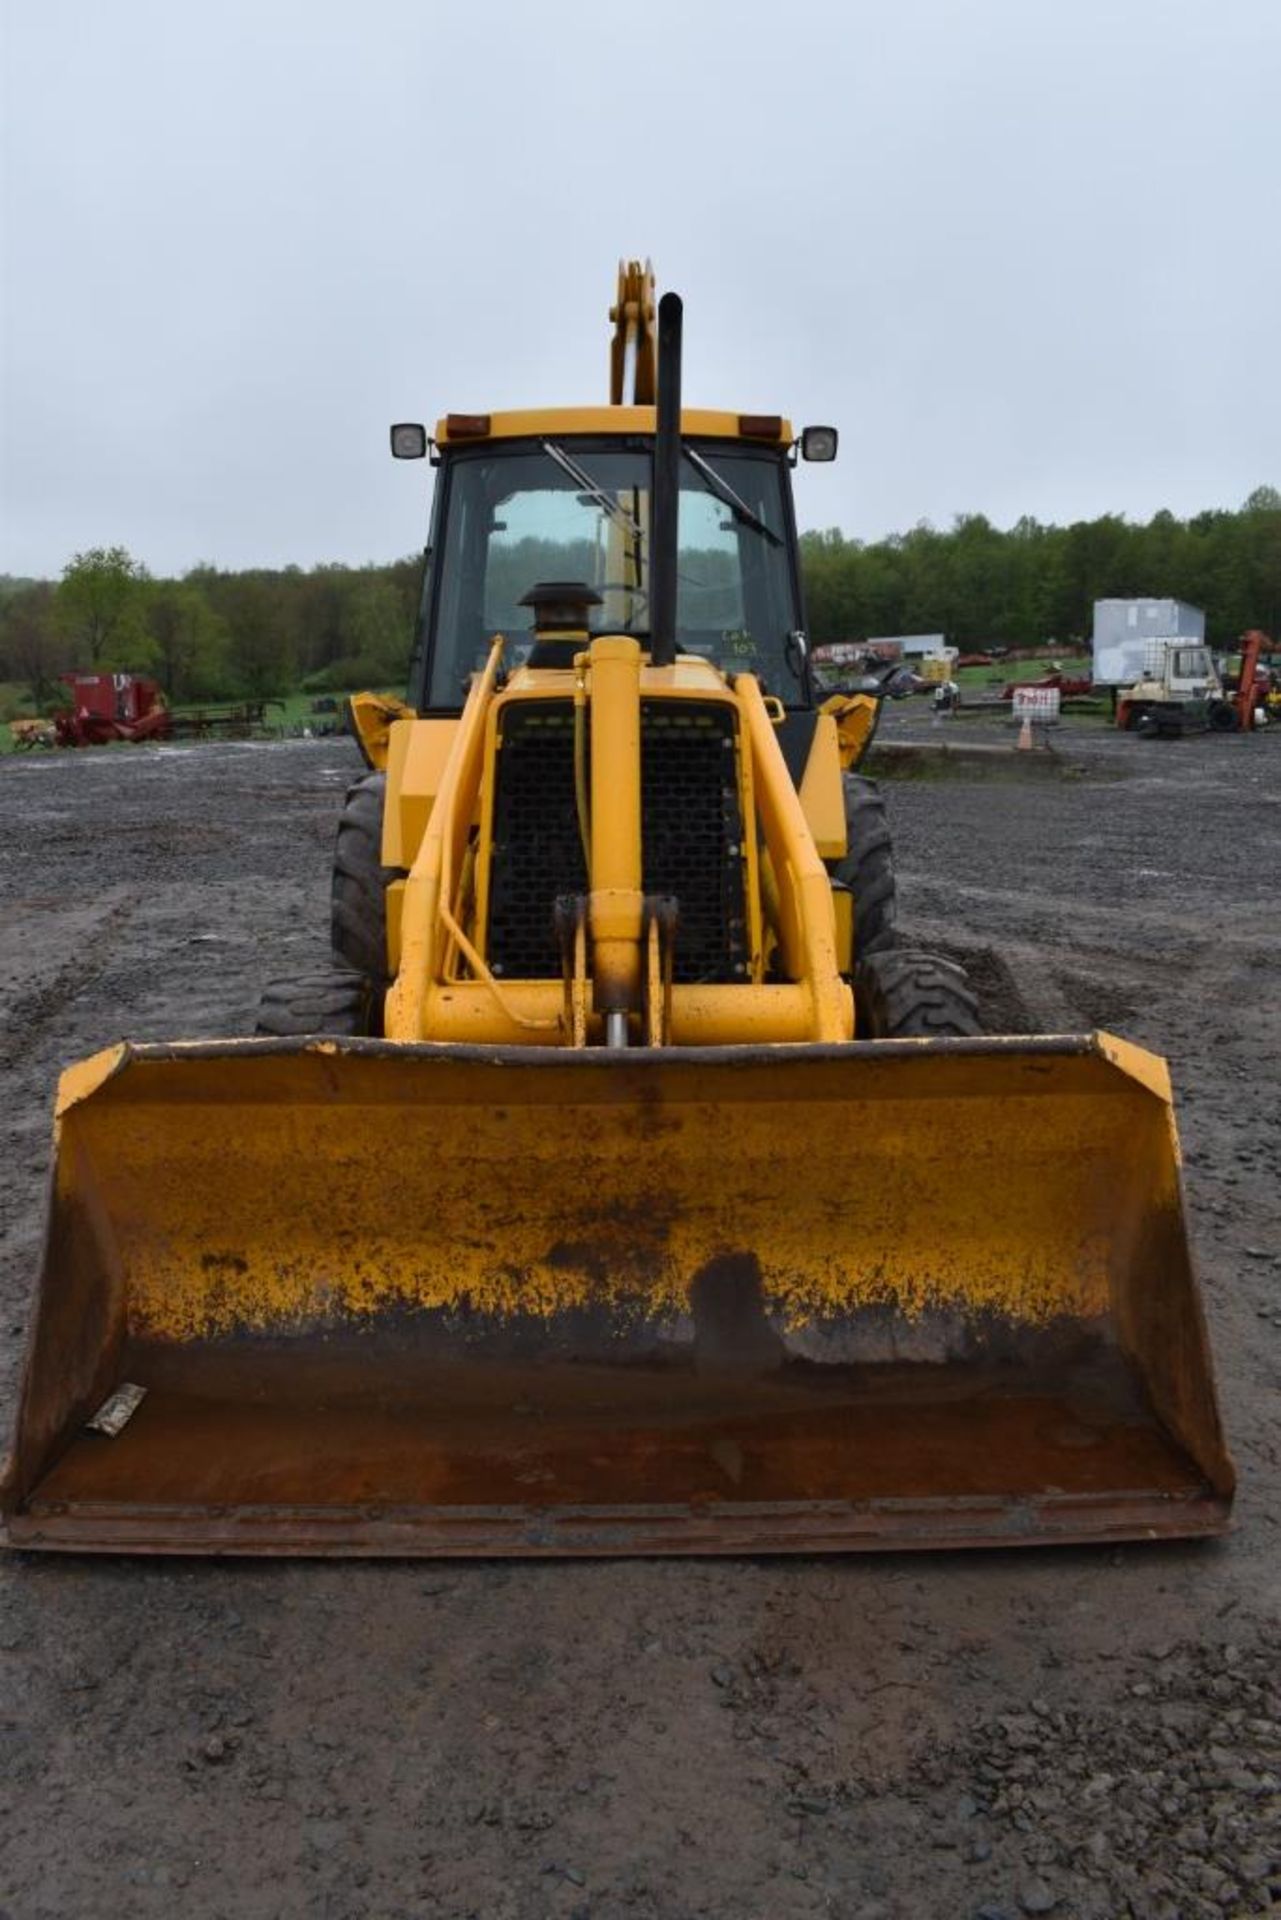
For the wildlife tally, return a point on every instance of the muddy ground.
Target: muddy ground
(1088, 1733)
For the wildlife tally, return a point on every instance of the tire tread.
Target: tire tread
(867, 867)
(902, 995)
(337, 1002)
(358, 905)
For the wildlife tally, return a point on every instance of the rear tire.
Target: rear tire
(867, 867)
(914, 996)
(1223, 719)
(337, 1002)
(358, 901)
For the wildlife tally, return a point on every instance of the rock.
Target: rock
(326, 1835)
(723, 1674)
(1036, 1897)
(1020, 1729)
(810, 1803)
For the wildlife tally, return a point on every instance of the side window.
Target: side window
(709, 587)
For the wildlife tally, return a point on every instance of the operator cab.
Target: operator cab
(518, 514)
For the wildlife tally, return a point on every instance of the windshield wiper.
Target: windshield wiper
(583, 480)
(728, 498)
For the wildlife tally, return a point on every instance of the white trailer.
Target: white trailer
(1125, 629)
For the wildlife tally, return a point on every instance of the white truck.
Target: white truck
(1178, 692)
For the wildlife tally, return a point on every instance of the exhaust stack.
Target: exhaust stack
(667, 481)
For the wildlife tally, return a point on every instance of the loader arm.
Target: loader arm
(447, 988)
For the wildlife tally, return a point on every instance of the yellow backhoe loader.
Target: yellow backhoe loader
(625, 1187)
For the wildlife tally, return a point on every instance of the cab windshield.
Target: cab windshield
(579, 509)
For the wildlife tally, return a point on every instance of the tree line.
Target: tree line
(982, 586)
(213, 634)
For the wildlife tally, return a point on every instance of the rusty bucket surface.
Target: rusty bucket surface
(421, 1300)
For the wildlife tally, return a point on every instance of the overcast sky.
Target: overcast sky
(1024, 253)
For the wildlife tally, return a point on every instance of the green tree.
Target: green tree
(1262, 518)
(189, 639)
(260, 644)
(376, 625)
(30, 649)
(100, 608)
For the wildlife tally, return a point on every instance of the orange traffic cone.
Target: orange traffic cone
(1025, 733)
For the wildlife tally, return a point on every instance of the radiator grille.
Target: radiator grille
(692, 832)
(691, 829)
(537, 849)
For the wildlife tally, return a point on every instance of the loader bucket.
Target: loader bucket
(383, 1299)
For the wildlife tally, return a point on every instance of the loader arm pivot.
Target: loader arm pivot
(633, 347)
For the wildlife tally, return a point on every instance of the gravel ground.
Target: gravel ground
(1085, 1733)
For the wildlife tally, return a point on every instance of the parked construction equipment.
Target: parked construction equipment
(103, 707)
(625, 1187)
(1255, 698)
(106, 708)
(1180, 692)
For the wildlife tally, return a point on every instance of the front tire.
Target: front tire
(339, 1002)
(358, 902)
(867, 867)
(914, 996)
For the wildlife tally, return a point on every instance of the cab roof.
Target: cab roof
(457, 429)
